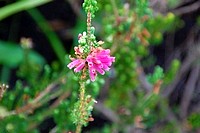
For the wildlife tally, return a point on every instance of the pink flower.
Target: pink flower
(78, 64)
(99, 60)
(78, 50)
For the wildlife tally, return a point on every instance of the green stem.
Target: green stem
(78, 128)
(89, 27)
(82, 100)
(81, 107)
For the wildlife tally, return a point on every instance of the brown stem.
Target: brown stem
(37, 102)
(88, 23)
(189, 90)
(187, 9)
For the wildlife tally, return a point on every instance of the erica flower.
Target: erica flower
(99, 60)
(78, 64)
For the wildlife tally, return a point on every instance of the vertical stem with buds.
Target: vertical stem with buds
(82, 78)
(82, 99)
(82, 111)
(89, 27)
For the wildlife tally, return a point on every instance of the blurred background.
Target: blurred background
(153, 87)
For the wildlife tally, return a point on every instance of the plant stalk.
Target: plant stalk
(82, 100)
(89, 27)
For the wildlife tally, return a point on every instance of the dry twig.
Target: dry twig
(107, 112)
(186, 65)
(187, 9)
(30, 107)
(189, 89)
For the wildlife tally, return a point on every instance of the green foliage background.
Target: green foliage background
(45, 91)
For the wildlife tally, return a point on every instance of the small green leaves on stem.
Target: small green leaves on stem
(89, 59)
(90, 6)
(157, 75)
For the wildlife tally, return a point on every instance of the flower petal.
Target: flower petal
(98, 69)
(92, 74)
(73, 63)
(99, 60)
(79, 67)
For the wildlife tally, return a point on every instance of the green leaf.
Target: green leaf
(194, 120)
(12, 55)
(20, 6)
(157, 75)
(49, 33)
(172, 71)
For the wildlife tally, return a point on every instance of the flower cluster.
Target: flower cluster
(98, 60)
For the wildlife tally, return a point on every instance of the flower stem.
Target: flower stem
(82, 100)
(89, 27)
(78, 128)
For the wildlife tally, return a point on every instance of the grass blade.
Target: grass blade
(20, 6)
(49, 33)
